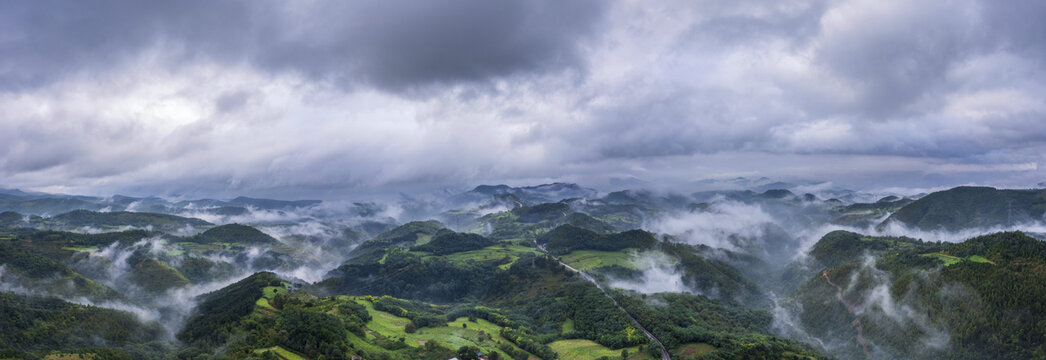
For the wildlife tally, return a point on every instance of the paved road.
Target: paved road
(664, 353)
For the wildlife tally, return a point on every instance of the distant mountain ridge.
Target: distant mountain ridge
(527, 195)
(968, 207)
(53, 204)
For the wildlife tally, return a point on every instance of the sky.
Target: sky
(336, 99)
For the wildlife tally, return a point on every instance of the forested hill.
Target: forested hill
(983, 298)
(968, 207)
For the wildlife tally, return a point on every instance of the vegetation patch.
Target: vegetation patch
(461, 332)
(591, 259)
(694, 351)
(505, 253)
(264, 304)
(567, 238)
(58, 356)
(282, 353)
(81, 248)
(589, 350)
(448, 242)
(949, 260)
(568, 327)
(423, 239)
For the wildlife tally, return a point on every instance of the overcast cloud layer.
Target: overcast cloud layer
(318, 98)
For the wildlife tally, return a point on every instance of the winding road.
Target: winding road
(664, 352)
(852, 309)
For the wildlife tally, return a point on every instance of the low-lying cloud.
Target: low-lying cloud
(659, 274)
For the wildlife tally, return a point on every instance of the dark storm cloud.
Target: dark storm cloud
(397, 45)
(46, 40)
(924, 79)
(894, 58)
(392, 45)
(264, 96)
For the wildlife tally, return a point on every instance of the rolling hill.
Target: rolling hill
(968, 207)
(889, 298)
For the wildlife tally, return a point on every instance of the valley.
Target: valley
(568, 279)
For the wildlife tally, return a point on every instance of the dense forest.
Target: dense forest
(973, 300)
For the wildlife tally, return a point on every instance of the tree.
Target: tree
(410, 328)
(467, 352)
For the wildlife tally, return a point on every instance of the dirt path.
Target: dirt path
(852, 309)
(664, 352)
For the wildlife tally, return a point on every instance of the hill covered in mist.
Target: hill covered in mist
(550, 271)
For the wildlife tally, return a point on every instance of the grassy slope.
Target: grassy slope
(588, 350)
(282, 353)
(492, 253)
(949, 260)
(453, 336)
(986, 291)
(591, 259)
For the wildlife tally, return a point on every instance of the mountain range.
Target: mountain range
(555, 271)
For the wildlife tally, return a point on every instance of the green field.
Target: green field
(366, 344)
(492, 253)
(81, 249)
(283, 353)
(589, 350)
(268, 293)
(980, 259)
(591, 259)
(481, 333)
(422, 239)
(952, 260)
(264, 304)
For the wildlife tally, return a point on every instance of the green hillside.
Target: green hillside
(972, 300)
(528, 222)
(403, 236)
(218, 312)
(234, 233)
(12, 219)
(103, 220)
(448, 242)
(24, 268)
(31, 326)
(968, 207)
(865, 214)
(567, 238)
